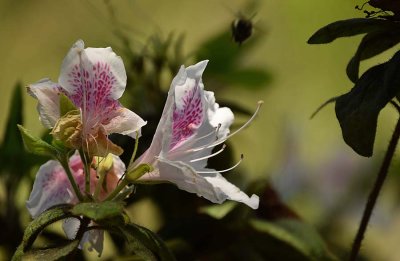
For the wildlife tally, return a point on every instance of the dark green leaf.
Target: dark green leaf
(146, 243)
(38, 224)
(51, 254)
(12, 147)
(358, 110)
(372, 44)
(349, 27)
(66, 105)
(36, 145)
(98, 210)
(297, 234)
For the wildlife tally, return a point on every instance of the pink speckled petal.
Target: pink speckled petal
(125, 122)
(51, 187)
(47, 94)
(94, 79)
(213, 187)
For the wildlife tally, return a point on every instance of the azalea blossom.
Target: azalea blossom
(52, 187)
(192, 124)
(93, 79)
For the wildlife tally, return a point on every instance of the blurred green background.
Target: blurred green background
(312, 169)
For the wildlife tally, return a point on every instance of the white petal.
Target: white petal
(118, 166)
(218, 116)
(71, 227)
(93, 238)
(125, 122)
(213, 187)
(87, 60)
(47, 94)
(51, 187)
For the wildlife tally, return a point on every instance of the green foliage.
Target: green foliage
(144, 243)
(53, 253)
(12, 146)
(305, 242)
(372, 44)
(349, 27)
(357, 111)
(38, 224)
(98, 211)
(36, 145)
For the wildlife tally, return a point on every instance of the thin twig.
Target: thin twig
(382, 174)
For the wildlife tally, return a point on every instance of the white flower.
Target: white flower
(52, 187)
(192, 124)
(93, 79)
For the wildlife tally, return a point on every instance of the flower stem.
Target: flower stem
(86, 168)
(64, 163)
(135, 149)
(115, 192)
(375, 192)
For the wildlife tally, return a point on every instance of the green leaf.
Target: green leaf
(38, 224)
(36, 145)
(145, 243)
(98, 211)
(302, 237)
(66, 105)
(358, 110)
(349, 27)
(12, 147)
(51, 254)
(372, 44)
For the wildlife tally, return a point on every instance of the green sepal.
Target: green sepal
(36, 145)
(66, 105)
(137, 172)
(98, 211)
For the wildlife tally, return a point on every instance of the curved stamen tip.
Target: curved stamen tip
(260, 102)
(224, 170)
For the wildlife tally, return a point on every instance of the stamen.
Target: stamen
(217, 142)
(224, 170)
(211, 155)
(209, 134)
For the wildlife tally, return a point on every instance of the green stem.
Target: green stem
(64, 164)
(135, 149)
(102, 174)
(375, 192)
(116, 191)
(86, 168)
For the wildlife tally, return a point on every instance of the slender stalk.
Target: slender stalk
(64, 164)
(135, 149)
(86, 168)
(115, 192)
(99, 184)
(375, 192)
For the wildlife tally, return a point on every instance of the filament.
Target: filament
(224, 170)
(220, 141)
(211, 155)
